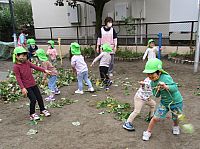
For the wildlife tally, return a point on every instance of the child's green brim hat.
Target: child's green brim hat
(40, 53)
(154, 65)
(75, 48)
(106, 47)
(150, 40)
(31, 41)
(18, 50)
(51, 42)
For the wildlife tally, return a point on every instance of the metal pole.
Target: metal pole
(51, 33)
(146, 36)
(77, 34)
(159, 44)
(13, 22)
(196, 59)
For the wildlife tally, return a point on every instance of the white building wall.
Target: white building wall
(46, 14)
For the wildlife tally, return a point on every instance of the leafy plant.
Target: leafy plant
(130, 29)
(173, 54)
(88, 52)
(9, 90)
(60, 103)
(127, 54)
(121, 110)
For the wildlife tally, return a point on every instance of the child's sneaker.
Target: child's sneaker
(128, 126)
(176, 130)
(110, 83)
(107, 88)
(91, 89)
(50, 98)
(57, 92)
(111, 75)
(78, 92)
(45, 113)
(34, 117)
(146, 136)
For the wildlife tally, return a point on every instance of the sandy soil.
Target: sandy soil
(101, 131)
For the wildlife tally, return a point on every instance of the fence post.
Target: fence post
(51, 33)
(77, 34)
(146, 34)
(191, 36)
(159, 44)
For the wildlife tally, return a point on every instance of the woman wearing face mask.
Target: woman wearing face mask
(108, 35)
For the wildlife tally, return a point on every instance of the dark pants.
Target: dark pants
(104, 75)
(35, 95)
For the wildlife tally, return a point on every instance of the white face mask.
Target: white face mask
(109, 24)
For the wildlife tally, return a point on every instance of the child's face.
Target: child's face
(152, 44)
(49, 46)
(153, 76)
(33, 46)
(22, 57)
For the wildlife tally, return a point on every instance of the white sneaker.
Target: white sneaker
(45, 113)
(50, 98)
(34, 117)
(91, 89)
(146, 136)
(78, 92)
(176, 130)
(111, 75)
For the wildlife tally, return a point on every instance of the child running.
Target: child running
(52, 52)
(142, 97)
(40, 53)
(23, 72)
(171, 100)
(105, 59)
(78, 64)
(151, 50)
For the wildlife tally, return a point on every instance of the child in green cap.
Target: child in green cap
(40, 53)
(105, 59)
(151, 50)
(52, 52)
(78, 64)
(32, 47)
(171, 100)
(23, 72)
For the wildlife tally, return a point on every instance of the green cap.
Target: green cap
(18, 50)
(75, 48)
(40, 53)
(51, 42)
(31, 41)
(106, 47)
(150, 41)
(153, 65)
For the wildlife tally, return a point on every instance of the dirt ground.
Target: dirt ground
(101, 131)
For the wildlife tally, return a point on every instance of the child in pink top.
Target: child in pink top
(52, 52)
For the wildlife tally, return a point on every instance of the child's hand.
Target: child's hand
(91, 65)
(24, 92)
(141, 82)
(44, 82)
(97, 50)
(163, 85)
(48, 72)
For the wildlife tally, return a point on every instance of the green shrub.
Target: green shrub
(127, 54)
(88, 52)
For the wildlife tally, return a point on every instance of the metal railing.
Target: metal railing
(174, 33)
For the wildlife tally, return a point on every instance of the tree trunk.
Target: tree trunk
(99, 12)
